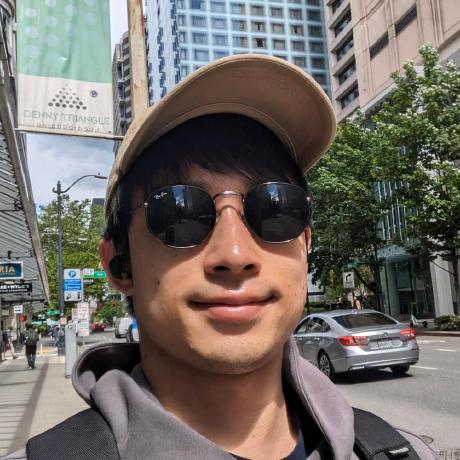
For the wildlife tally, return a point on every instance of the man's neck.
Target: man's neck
(245, 415)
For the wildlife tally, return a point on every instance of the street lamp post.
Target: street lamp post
(59, 192)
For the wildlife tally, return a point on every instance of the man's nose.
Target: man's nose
(232, 249)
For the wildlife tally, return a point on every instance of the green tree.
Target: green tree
(82, 226)
(347, 210)
(420, 125)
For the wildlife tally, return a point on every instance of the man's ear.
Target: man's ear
(108, 254)
(308, 238)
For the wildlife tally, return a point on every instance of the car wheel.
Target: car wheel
(325, 365)
(399, 370)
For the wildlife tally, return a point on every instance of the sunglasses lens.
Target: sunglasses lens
(180, 216)
(277, 212)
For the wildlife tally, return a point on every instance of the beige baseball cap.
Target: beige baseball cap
(273, 92)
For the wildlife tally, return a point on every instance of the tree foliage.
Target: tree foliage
(82, 226)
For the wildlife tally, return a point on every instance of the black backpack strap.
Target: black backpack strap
(84, 436)
(377, 439)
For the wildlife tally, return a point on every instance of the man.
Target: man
(31, 339)
(207, 235)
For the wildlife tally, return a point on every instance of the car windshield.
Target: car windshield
(354, 321)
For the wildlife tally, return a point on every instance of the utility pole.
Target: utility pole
(138, 57)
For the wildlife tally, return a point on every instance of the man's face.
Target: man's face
(227, 305)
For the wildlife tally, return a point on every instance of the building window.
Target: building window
(314, 15)
(347, 45)
(198, 21)
(257, 10)
(349, 97)
(278, 28)
(342, 23)
(201, 55)
(298, 45)
(259, 42)
(378, 45)
(182, 37)
(335, 5)
(318, 63)
(276, 12)
(320, 78)
(315, 31)
(183, 70)
(298, 2)
(197, 4)
(201, 39)
(240, 42)
(279, 44)
(316, 47)
(180, 4)
(181, 20)
(296, 30)
(346, 73)
(218, 23)
(402, 23)
(300, 61)
(220, 40)
(220, 54)
(238, 8)
(258, 26)
(217, 7)
(183, 54)
(239, 25)
(280, 56)
(295, 14)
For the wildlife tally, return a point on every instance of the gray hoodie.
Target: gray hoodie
(111, 378)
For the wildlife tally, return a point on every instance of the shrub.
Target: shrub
(448, 323)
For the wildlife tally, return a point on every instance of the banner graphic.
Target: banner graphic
(64, 67)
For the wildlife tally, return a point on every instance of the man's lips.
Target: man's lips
(234, 309)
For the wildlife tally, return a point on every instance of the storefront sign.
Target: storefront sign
(11, 270)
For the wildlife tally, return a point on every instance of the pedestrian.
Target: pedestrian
(207, 235)
(56, 335)
(8, 341)
(31, 339)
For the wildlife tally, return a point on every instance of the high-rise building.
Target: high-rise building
(121, 78)
(182, 35)
(368, 40)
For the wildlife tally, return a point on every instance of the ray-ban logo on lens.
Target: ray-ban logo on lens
(157, 196)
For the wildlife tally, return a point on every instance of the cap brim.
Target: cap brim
(277, 94)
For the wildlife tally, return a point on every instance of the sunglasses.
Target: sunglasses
(183, 216)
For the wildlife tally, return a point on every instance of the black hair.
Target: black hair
(220, 143)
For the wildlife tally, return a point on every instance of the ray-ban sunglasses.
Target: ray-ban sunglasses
(183, 216)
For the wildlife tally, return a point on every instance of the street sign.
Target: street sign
(73, 286)
(53, 312)
(83, 311)
(18, 309)
(83, 328)
(11, 270)
(88, 273)
(348, 280)
(353, 264)
(15, 287)
(100, 274)
(88, 281)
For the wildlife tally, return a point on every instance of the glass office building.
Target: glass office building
(183, 35)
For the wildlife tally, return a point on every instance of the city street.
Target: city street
(426, 401)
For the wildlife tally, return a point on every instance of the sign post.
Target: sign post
(73, 286)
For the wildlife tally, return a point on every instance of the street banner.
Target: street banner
(64, 67)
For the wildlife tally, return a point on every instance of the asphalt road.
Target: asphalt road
(426, 401)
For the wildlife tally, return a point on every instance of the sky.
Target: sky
(66, 158)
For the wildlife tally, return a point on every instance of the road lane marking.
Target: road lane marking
(426, 367)
(431, 341)
(445, 349)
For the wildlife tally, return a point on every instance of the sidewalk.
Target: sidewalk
(32, 401)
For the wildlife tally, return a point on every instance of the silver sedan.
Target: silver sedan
(349, 340)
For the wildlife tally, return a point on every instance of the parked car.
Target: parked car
(132, 334)
(121, 326)
(98, 326)
(349, 340)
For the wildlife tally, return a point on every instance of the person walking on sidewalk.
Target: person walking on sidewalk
(8, 341)
(31, 339)
(207, 235)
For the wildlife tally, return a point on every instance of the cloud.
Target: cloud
(66, 158)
